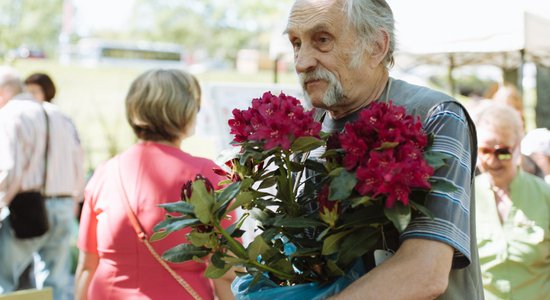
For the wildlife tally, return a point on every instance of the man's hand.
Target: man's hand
(418, 270)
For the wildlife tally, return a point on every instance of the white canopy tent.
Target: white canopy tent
(457, 33)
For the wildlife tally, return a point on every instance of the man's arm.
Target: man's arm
(418, 270)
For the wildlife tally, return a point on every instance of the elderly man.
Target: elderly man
(24, 130)
(342, 52)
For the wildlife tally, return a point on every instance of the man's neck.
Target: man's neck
(373, 92)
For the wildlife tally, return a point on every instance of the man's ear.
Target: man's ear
(379, 49)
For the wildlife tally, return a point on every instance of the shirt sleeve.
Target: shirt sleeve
(451, 223)
(11, 163)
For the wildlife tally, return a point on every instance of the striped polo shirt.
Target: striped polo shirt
(454, 212)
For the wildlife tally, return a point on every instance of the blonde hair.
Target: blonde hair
(162, 103)
(500, 116)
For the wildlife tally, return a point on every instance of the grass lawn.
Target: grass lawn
(94, 98)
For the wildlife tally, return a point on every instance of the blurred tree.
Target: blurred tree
(218, 26)
(34, 23)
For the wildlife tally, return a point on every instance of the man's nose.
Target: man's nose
(304, 60)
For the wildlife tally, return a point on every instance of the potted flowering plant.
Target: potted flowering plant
(317, 216)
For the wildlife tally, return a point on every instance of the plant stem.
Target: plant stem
(240, 251)
(271, 270)
(293, 206)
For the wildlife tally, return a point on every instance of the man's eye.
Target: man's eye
(324, 42)
(296, 45)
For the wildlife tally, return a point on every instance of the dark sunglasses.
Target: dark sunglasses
(501, 153)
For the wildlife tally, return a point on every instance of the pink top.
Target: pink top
(152, 174)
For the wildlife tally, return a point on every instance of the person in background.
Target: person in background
(40, 86)
(342, 52)
(513, 211)
(22, 141)
(161, 108)
(536, 145)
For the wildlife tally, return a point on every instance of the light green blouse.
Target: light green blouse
(515, 256)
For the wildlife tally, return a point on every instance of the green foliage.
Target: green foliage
(221, 27)
(296, 244)
(35, 23)
(400, 215)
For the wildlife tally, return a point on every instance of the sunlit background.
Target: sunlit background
(94, 49)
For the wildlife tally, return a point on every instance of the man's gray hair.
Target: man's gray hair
(370, 18)
(10, 79)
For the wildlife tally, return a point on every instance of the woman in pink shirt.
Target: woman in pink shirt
(161, 107)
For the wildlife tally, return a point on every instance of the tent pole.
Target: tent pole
(450, 77)
(520, 71)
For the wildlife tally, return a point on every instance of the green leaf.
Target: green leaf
(334, 269)
(306, 252)
(184, 252)
(157, 236)
(387, 145)
(306, 143)
(357, 244)
(202, 201)
(217, 260)
(282, 188)
(400, 215)
(323, 233)
(336, 172)
(299, 222)
(360, 201)
(268, 182)
(214, 272)
(342, 186)
(242, 199)
(315, 166)
(227, 194)
(435, 159)
(173, 224)
(199, 239)
(234, 261)
(332, 243)
(296, 167)
(246, 183)
(423, 209)
(442, 185)
(181, 207)
(257, 247)
(283, 265)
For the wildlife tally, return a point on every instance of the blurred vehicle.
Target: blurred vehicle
(98, 51)
(28, 52)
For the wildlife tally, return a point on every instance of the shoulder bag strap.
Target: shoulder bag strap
(142, 236)
(46, 150)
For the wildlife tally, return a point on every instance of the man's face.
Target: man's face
(324, 46)
(498, 153)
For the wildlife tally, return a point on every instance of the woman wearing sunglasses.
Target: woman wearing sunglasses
(512, 211)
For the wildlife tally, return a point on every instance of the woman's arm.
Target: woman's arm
(222, 286)
(87, 264)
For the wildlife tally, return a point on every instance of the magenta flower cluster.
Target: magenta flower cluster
(384, 147)
(274, 121)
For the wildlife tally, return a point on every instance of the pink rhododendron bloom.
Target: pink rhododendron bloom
(274, 121)
(384, 147)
